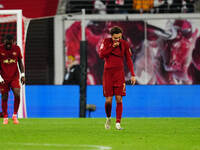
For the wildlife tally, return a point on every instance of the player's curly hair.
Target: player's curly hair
(115, 30)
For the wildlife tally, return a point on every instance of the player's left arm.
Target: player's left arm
(129, 62)
(1, 78)
(21, 67)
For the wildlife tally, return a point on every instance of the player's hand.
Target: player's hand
(115, 44)
(133, 80)
(1, 80)
(23, 80)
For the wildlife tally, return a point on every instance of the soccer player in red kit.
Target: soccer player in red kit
(10, 58)
(113, 50)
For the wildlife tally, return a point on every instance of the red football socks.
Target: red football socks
(16, 104)
(119, 109)
(4, 108)
(108, 108)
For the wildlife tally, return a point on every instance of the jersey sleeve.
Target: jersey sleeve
(105, 49)
(129, 61)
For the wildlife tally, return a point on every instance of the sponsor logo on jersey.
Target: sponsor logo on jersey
(9, 61)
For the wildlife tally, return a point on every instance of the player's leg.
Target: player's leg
(119, 110)
(119, 92)
(16, 92)
(108, 93)
(4, 99)
(108, 108)
(15, 86)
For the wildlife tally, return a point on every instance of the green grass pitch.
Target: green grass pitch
(89, 134)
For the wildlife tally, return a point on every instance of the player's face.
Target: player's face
(8, 44)
(116, 37)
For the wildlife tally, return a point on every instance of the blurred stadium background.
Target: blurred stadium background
(167, 73)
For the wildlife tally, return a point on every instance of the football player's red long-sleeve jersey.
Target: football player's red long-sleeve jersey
(8, 62)
(114, 56)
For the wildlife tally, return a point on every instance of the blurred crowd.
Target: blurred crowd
(131, 6)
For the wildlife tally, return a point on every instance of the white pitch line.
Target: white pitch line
(97, 147)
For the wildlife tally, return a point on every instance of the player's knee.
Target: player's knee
(108, 99)
(17, 94)
(118, 99)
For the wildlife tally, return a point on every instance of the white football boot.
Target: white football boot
(118, 127)
(108, 123)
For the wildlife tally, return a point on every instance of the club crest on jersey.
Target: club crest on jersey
(3, 54)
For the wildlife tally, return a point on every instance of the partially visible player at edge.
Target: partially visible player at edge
(10, 58)
(113, 50)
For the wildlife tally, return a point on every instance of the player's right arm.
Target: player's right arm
(105, 48)
(1, 79)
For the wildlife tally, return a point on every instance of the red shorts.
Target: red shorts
(5, 88)
(114, 82)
